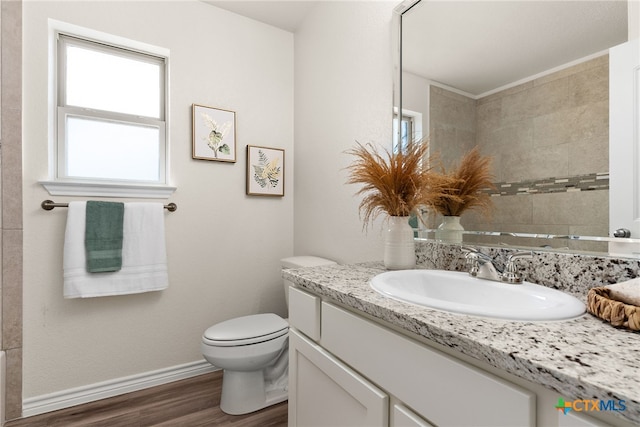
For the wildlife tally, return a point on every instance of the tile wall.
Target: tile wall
(11, 200)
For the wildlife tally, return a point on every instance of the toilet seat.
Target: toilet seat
(246, 330)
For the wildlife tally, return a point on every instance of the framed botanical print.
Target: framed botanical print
(214, 134)
(265, 171)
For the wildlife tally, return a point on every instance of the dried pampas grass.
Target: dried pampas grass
(395, 184)
(461, 189)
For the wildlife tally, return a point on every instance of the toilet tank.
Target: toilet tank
(299, 262)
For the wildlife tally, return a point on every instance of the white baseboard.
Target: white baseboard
(90, 393)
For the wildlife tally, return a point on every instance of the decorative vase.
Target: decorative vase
(450, 230)
(399, 249)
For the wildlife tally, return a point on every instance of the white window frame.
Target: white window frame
(60, 184)
(414, 120)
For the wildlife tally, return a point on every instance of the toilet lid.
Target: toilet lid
(246, 330)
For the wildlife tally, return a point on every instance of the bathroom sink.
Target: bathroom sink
(457, 292)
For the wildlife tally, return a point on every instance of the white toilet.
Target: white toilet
(253, 351)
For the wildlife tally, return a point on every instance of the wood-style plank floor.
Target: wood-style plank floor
(193, 402)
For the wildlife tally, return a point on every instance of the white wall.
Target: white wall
(223, 246)
(634, 19)
(415, 97)
(343, 94)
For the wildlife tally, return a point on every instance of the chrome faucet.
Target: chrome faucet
(482, 266)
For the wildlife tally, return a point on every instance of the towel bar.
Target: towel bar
(48, 205)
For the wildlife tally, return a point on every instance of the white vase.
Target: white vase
(399, 249)
(450, 230)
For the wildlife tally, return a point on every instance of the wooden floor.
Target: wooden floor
(188, 403)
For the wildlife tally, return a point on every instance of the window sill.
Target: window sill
(101, 189)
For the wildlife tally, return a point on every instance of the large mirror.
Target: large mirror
(528, 83)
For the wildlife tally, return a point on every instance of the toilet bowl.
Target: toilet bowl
(247, 348)
(253, 351)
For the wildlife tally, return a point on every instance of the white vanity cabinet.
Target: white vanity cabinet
(322, 390)
(325, 392)
(362, 373)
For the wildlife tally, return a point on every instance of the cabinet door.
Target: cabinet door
(575, 420)
(324, 392)
(402, 416)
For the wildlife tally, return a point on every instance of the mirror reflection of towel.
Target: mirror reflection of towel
(103, 236)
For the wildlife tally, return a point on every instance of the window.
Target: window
(110, 116)
(406, 133)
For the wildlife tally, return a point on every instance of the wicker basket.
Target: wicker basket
(619, 314)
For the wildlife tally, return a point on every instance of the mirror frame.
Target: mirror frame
(397, 33)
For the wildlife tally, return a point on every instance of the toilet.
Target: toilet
(253, 352)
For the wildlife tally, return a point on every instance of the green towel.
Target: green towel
(103, 236)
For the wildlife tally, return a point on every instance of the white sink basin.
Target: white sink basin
(458, 292)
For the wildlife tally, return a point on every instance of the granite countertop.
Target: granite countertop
(583, 358)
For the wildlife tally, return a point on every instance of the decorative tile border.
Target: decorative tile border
(590, 182)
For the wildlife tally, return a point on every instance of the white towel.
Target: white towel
(144, 257)
(627, 292)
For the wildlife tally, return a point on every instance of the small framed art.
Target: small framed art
(265, 171)
(214, 134)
